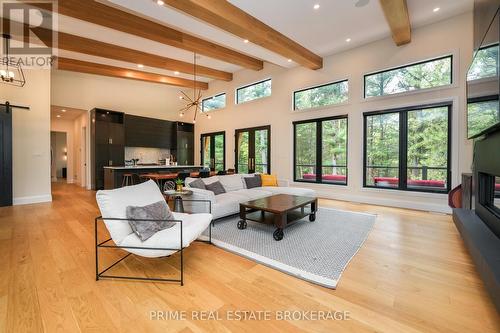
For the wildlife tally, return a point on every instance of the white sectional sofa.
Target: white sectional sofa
(228, 203)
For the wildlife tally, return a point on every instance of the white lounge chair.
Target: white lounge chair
(113, 205)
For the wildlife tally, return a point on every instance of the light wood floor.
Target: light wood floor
(413, 274)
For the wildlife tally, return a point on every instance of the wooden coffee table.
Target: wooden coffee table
(280, 210)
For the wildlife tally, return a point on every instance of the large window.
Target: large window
(214, 103)
(320, 150)
(253, 150)
(422, 75)
(408, 149)
(482, 112)
(324, 95)
(213, 151)
(485, 63)
(253, 91)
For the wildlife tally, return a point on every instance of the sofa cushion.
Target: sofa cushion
(215, 187)
(254, 193)
(252, 182)
(232, 182)
(156, 211)
(198, 183)
(192, 227)
(269, 180)
(227, 204)
(114, 203)
(290, 190)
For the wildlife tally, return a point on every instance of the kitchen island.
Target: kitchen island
(113, 175)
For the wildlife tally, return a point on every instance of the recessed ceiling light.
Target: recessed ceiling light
(140, 65)
(348, 40)
(58, 116)
(316, 6)
(63, 110)
(176, 73)
(289, 60)
(245, 41)
(436, 9)
(160, 2)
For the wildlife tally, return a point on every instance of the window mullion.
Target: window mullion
(319, 151)
(403, 149)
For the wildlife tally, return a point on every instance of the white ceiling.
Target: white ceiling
(64, 113)
(323, 31)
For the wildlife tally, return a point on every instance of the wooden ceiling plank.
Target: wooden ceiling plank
(397, 16)
(116, 19)
(124, 73)
(226, 16)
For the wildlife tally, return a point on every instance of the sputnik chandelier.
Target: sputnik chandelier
(195, 102)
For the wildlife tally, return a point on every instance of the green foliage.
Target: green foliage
(485, 64)
(334, 147)
(331, 94)
(427, 154)
(214, 103)
(434, 73)
(481, 115)
(255, 91)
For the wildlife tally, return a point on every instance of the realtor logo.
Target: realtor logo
(30, 26)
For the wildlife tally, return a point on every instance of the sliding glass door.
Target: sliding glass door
(253, 150)
(213, 151)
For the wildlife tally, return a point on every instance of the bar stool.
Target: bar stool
(128, 179)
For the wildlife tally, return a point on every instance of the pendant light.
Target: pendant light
(10, 71)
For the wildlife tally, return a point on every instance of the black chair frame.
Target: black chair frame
(104, 244)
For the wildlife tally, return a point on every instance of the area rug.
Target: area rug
(314, 251)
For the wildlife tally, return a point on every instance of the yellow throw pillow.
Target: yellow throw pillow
(269, 180)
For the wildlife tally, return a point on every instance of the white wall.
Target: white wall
(452, 36)
(30, 137)
(67, 126)
(86, 91)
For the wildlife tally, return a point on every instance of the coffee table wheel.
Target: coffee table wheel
(278, 234)
(242, 224)
(312, 217)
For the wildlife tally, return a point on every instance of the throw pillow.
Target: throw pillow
(253, 182)
(269, 180)
(215, 187)
(198, 183)
(156, 211)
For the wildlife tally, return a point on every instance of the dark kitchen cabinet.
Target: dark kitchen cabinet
(184, 143)
(107, 146)
(148, 132)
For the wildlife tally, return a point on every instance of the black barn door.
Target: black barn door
(5, 156)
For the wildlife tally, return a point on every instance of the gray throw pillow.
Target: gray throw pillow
(156, 211)
(198, 183)
(253, 182)
(215, 187)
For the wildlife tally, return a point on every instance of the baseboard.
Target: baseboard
(373, 200)
(32, 200)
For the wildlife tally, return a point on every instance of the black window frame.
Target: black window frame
(409, 65)
(315, 87)
(403, 147)
(210, 135)
(319, 150)
(208, 98)
(249, 85)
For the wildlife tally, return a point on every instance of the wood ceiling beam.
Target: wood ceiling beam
(100, 49)
(124, 73)
(103, 15)
(396, 14)
(224, 15)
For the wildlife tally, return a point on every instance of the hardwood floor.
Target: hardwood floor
(413, 274)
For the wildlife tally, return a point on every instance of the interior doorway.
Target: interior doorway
(59, 156)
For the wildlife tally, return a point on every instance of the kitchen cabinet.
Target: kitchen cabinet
(148, 132)
(107, 143)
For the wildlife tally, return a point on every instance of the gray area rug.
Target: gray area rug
(314, 251)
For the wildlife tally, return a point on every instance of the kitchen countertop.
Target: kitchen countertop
(153, 167)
